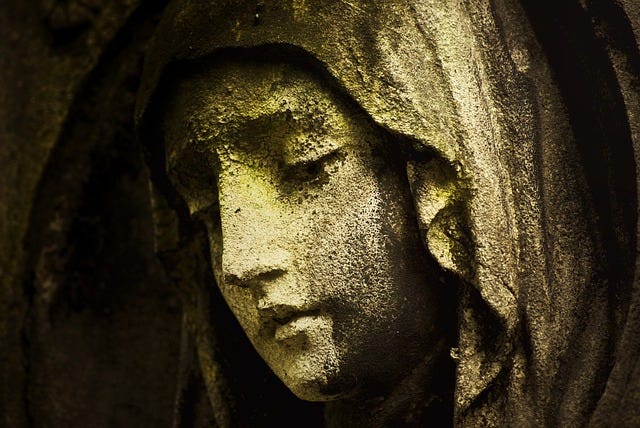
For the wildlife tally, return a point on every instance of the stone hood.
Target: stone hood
(442, 74)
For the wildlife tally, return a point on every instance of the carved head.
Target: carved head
(312, 230)
(328, 226)
(339, 183)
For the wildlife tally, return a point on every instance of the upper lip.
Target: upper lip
(282, 313)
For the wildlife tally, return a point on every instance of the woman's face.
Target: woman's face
(310, 221)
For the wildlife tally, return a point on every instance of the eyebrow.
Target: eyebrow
(266, 117)
(294, 137)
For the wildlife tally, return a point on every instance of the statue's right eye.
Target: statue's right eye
(209, 215)
(194, 177)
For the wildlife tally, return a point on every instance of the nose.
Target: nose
(254, 229)
(257, 266)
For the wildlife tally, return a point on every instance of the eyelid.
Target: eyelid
(311, 170)
(320, 158)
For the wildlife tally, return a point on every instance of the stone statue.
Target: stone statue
(361, 213)
(368, 186)
(312, 229)
(392, 213)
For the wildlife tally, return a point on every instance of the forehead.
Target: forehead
(229, 98)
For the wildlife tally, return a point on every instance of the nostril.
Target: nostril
(254, 276)
(244, 268)
(269, 275)
(233, 279)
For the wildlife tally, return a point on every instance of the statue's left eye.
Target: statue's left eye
(310, 171)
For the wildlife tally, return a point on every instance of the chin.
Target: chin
(315, 391)
(319, 388)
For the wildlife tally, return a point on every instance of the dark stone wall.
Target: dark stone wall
(89, 323)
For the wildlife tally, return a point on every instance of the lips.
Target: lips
(298, 327)
(279, 316)
(292, 315)
(284, 320)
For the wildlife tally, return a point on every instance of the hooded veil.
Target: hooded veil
(513, 224)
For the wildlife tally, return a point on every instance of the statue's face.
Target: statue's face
(313, 240)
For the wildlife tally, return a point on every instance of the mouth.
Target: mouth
(293, 316)
(298, 328)
(285, 321)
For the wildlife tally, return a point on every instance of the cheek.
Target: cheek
(348, 253)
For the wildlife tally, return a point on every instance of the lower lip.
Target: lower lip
(302, 325)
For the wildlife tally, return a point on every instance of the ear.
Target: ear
(439, 197)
